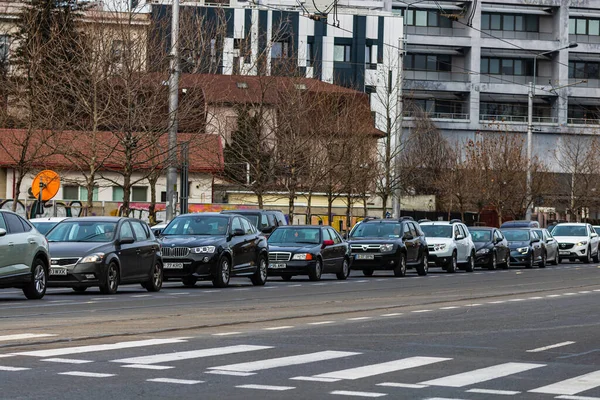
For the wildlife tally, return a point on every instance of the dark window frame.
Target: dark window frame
(495, 21)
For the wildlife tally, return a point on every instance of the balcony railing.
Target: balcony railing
(516, 119)
(437, 115)
(419, 75)
(583, 121)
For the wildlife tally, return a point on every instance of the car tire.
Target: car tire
(314, 273)
(345, 272)
(542, 263)
(189, 281)
(530, 263)
(470, 266)
(493, 261)
(36, 287)
(588, 256)
(154, 284)
(260, 276)
(286, 278)
(80, 289)
(453, 264)
(506, 264)
(596, 257)
(555, 261)
(423, 268)
(111, 279)
(559, 260)
(222, 274)
(368, 272)
(400, 270)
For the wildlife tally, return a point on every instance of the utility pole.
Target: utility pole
(529, 144)
(396, 205)
(171, 205)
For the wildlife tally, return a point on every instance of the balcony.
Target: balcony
(436, 76)
(438, 115)
(583, 121)
(516, 119)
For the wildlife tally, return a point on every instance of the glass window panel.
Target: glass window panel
(433, 18)
(496, 22)
(410, 17)
(408, 61)
(581, 26)
(117, 193)
(485, 21)
(507, 67)
(347, 51)
(572, 26)
(533, 23)
(139, 193)
(420, 62)
(592, 71)
(508, 22)
(494, 66)
(421, 18)
(445, 22)
(594, 27)
(485, 65)
(444, 62)
(571, 69)
(580, 70)
(277, 50)
(368, 54)
(338, 53)
(519, 23)
(70, 193)
(83, 193)
(518, 67)
(431, 63)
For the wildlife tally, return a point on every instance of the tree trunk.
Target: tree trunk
(309, 208)
(384, 200)
(90, 196)
(329, 208)
(365, 210)
(259, 196)
(348, 212)
(18, 182)
(291, 206)
(152, 207)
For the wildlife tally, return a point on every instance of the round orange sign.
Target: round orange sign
(50, 184)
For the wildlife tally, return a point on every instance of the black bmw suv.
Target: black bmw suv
(388, 244)
(212, 246)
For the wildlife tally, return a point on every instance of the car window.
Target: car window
(534, 235)
(246, 226)
(140, 232)
(236, 224)
(498, 235)
(334, 235)
(548, 234)
(125, 232)
(456, 231)
(464, 231)
(14, 224)
(326, 234)
(26, 225)
(271, 220)
(2, 223)
(280, 219)
(264, 221)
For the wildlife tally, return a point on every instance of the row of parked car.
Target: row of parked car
(106, 252)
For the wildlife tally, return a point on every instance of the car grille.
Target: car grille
(565, 246)
(279, 256)
(175, 251)
(63, 261)
(371, 248)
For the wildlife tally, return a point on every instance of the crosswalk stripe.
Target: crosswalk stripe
(101, 347)
(572, 386)
(66, 361)
(178, 381)
(187, 355)
(382, 368)
(24, 336)
(358, 394)
(284, 361)
(86, 374)
(266, 387)
(490, 391)
(146, 366)
(482, 375)
(13, 369)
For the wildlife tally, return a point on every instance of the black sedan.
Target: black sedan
(526, 248)
(491, 247)
(308, 250)
(104, 252)
(212, 246)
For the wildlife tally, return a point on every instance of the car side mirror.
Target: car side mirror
(407, 236)
(549, 240)
(536, 240)
(327, 243)
(2, 232)
(594, 235)
(127, 240)
(268, 229)
(238, 232)
(345, 236)
(459, 237)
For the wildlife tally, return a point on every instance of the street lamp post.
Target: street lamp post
(531, 94)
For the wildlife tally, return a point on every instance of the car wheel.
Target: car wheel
(558, 260)
(36, 287)
(453, 264)
(222, 274)
(423, 268)
(286, 278)
(154, 284)
(471, 263)
(400, 269)
(493, 262)
(507, 263)
(260, 276)
(111, 280)
(189, 281)
(80, 289)
(314, 274)
(368, 272)
(531, 261)
(588, 256)
(542, 263)
(596, 256)
(345, 272)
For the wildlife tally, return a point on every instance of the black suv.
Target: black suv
(388, 244)
(264, 220)
(212, 246)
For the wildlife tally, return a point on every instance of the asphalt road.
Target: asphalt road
(525, 334)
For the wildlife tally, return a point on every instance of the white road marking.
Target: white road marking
(585, 291)
(101, 298)
(535, 298)
(473, 305)
(142, 295)
(596, 290)
(188, 355)
(178, 293)
(497, 302)
(284, 361)
(66, 360)
(314, 379)
(516, 299)
(178, 381)
(569, 294)
(321, 323)
(6, 355)
(402, 385)
(482, 374)
(391, 315)
(145, 366)
(276, 328)
(86, 374)
(421, 311)
(577, 398)
(383, 368)
(552, 346)
(358, 318)
(572, 386)
(553, 295)
(100, 347)
(24, 336)
(489, 391)
(266, 387)
(13, 369)
(449, 308)
(357, 394)
(269, 287)
(226, 333)
(232, 373)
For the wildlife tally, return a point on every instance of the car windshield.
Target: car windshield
(295, 235)
(481, 236)
(197, 225)
(569, 230)
(516, 236)
(377, 230)
(83, 231)
(43, 227)
(439, 231)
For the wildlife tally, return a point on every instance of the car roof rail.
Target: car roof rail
(406, 218)
(455, 220)
(424, 220)
(365, 219)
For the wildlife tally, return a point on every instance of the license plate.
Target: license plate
(277, 265)
(173, 266)
(58, 271)
(564, 252)
(365, 257)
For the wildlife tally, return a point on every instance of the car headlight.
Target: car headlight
(581, 243)
(439, 247)
(483, 251)
(302, 256)
(203, 249)
(386, 247)
(523, 250)
(93, 258)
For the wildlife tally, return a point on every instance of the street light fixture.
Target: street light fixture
(530, 124)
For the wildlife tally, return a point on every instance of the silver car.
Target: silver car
(24, 259)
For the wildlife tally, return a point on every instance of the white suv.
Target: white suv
(576, 241)
(450, 245)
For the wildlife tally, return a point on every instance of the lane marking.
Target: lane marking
(402, 385)
(276, 328)
(421, 311)
(572, 386)
(6, 355)
(516, 299)
(24, 336)
(66, 360)
(13, 369)
(497, 302)
(553, 295)
(188, 355)
(226, 333)
(142, 295)
(449, 308)
(535, 298)
(284, 361)
(482, 374)
(321, 323)
(266, 387)
(552, 346)
(391, 315)
(489, 391)
(232, 373)
(86, 374)
(100, 347)
(145, 366)
(178, 381)
(358, 318)
(569, 294)
(357, 394)
(578, 398)
(314, 379)
(180, 293)
(473, 305)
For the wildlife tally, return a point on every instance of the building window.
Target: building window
(342, 52)
(139, 193)
(310, 57)
(584, 26)
(509, 22)
(83, 193)
(70, 192)
(280, 50)
(117, 193)
(506, 66)
(584, 70)
(424, 62)
(4, 47)
(426, 18)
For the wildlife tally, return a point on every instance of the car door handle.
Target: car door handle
(11, 244)
(32, 241)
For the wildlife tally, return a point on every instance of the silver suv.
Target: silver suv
(24, 259)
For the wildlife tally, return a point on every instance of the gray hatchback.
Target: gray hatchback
(24, 259)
